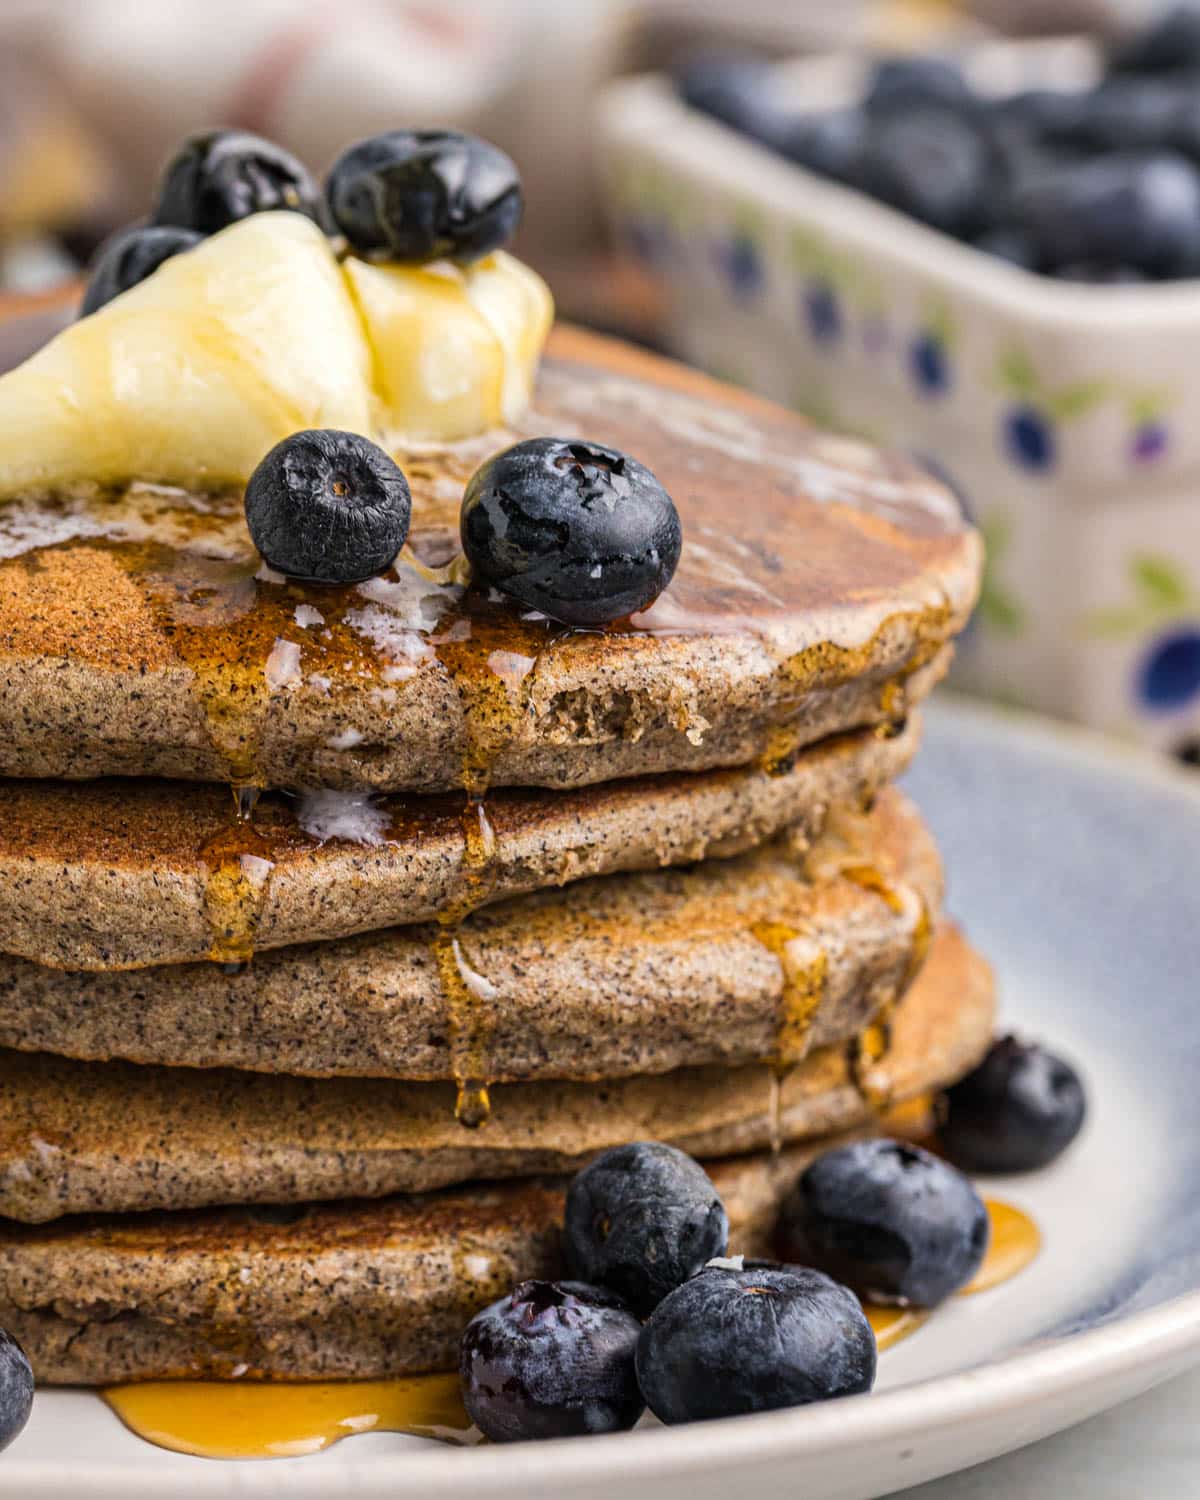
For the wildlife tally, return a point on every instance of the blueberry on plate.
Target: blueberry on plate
(754, 1337)
(220, 176)
(932, 162)
(328, 507)
(16, 1389)
(554, 1359)
(890, 1220)
(640, 1220)
(1128, 208)
(581, 532)
(129, 256)
(419, 195)
(1017, 1111)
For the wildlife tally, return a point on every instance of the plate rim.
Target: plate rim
(1152, 1338)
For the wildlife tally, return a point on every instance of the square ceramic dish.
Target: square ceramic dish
(1066, 415)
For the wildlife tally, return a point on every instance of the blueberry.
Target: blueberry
(221, 176)
(890, 1220)
(1169, 676)
(640, 1220)
(757, 1339)
(1168, 43)
(581, 532)
(1017, 1111)
(1128, 209)
(932, 163)
(418, 195)
(16, 1389)
(830, 144)
(929, 364)
(128, 257)
(733, 89)
(329, 507)
(1010, 244)
(904, 81)
(1029, 437)
(1038, 115)
(554, 1359)
(1094, 273)
(1122, 114)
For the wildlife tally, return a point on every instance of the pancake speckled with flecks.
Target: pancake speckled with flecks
(372, 1289)
(125, 873)
(820, 586)
(770, 953)
(112, 1137)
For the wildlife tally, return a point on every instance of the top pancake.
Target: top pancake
(818, 579)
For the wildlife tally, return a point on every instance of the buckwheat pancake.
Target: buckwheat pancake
(371, 1289)
(111, 1137)
(120, 874)
(365, 1289)
(820, 586)
(771, 953)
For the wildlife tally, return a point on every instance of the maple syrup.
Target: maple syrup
(804, 968)
(238, 866)
(1015, 1242)
(248, 1419)
(468, 993)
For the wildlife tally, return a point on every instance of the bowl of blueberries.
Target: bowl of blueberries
(992, 260)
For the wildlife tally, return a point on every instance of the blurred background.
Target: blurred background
(971, 230)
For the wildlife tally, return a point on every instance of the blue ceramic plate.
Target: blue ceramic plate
(1076, 868)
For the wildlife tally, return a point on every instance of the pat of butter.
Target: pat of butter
(191, 376)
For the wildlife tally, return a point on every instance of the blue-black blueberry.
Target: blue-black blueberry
(933, 162)
(903, 81)
(1168, 43)
(553, 1359)
(732, 88)
(641, 1219)
(16, 1389)
(220, 176)
(889, 1219)
(1017, 1111)
(581, 532)
(1134, 209)
(129, 256)
(421, 195)
(328, 507)
(758, 1338)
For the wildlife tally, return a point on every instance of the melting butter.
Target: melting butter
(191, 376)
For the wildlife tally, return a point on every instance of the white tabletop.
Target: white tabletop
(1149, 1449)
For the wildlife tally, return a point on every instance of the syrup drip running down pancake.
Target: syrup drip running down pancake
(819, 588)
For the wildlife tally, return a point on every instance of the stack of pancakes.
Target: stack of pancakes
(289, 1082)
